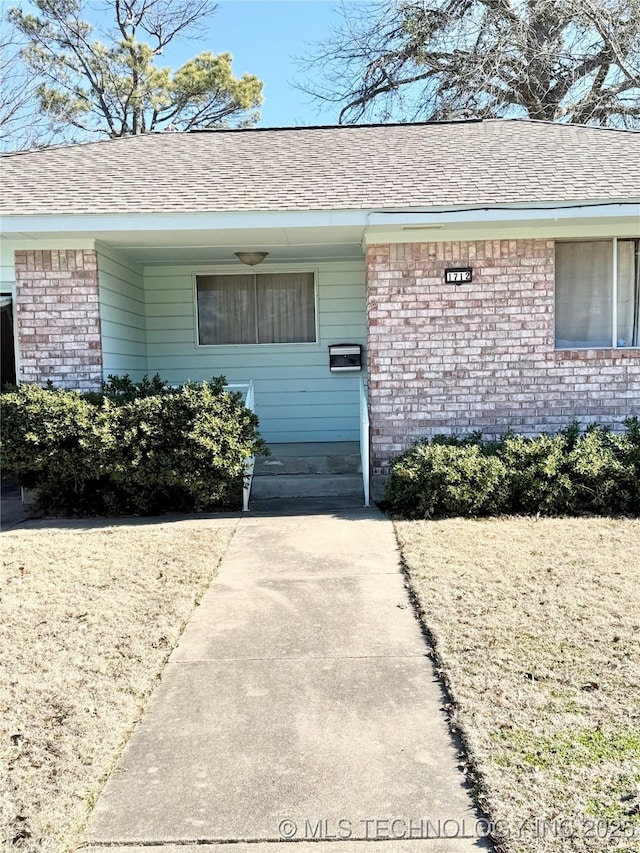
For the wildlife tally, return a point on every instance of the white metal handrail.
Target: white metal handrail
(364, 441)
(249, 465)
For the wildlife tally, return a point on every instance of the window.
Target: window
(256, 308)
(598, 294)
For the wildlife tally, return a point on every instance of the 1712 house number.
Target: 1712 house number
(458, 275)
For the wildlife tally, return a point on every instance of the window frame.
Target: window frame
(613, 345)
(267, 270)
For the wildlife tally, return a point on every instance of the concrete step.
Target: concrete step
(338, 457)
(306, 485)
(321, 505)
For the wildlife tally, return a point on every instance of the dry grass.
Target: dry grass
(537, 631)
(88, 618)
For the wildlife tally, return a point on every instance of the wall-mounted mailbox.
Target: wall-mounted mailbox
(345, 357)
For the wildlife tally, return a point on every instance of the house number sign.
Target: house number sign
(458, 275)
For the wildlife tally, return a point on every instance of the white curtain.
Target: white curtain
(584, 294)
(265, 308)
(226, 309)
(628, 293)
(286, 308)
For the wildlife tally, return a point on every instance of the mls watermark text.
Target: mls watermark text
(399, 828)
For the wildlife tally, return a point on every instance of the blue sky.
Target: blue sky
(264, 36)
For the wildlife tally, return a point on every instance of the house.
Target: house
(489, 270)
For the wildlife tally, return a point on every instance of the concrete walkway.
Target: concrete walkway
(300, 705)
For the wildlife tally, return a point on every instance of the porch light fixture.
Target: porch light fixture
(251, 259)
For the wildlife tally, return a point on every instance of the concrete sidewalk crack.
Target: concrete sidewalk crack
(417, 656)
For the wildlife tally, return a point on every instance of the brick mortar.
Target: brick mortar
(58, 318)
(452, 359)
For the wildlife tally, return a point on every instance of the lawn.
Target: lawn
(88, 617)
(536, 625)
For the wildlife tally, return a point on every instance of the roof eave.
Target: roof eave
(61, 223)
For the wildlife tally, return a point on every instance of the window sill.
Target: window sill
(584, 353)
(236, 347)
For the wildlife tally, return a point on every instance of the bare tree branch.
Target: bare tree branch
(557, 60)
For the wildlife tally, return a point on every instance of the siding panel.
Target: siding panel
(122, 315)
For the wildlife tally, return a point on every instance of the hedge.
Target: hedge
(572, 472)
(133, 448)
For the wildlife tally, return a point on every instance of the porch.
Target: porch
(315, 421)
(152, 316)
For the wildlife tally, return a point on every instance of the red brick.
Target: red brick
(452, 359)
(57, 317)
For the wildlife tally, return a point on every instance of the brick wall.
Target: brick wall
(446, 358)
(58, 318)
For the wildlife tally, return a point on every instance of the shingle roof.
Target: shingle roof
(350, 167)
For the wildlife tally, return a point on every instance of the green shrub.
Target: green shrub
(571, 472)
(136, 448)
(604, 475)
(441, 478)
(54, 442)
(122, 389)
(184, 449)
(632, 459)
(539, 472)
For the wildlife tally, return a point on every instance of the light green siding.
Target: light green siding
(297, 398)
(122, 315)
